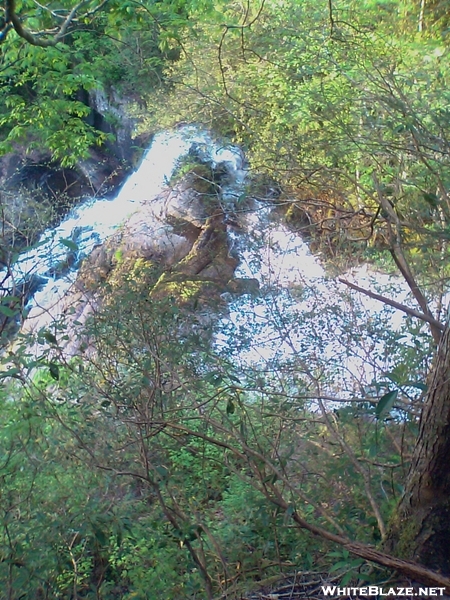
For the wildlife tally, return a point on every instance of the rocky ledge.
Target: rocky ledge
(177, 242)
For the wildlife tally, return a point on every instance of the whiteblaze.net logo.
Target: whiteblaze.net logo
(375, 590)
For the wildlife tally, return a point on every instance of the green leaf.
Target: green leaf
(386, 403)
(432, 199)
(419, 385)
(234, 378)
(355, 563)
(342, 564)
(9, 299)
(8, 312)
(69, 244)
(9, 373)
(119, 537)
(54, 371)
(347, 578)
(50, 338)
(99, 534)
(290, 510)
(162, 471)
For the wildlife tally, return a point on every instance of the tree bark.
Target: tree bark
(420, 528)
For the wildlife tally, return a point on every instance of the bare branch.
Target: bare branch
(331, 17)
(13, 20)
(409, 311)
(393, 226)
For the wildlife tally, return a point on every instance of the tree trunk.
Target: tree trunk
(420, 529)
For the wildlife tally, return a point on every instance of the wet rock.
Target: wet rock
(96, 268)
(198, 194)
(241, 286)
(111, 114)
(152, 237)
(37, 192)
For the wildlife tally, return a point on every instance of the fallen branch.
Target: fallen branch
(412, 570)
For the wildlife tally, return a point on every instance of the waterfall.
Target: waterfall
(54, 261)
(300, 311)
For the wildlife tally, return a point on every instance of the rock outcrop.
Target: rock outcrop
(178, 241)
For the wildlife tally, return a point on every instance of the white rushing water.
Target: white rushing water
(308, 320)
(301, 312)
(94, 220)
